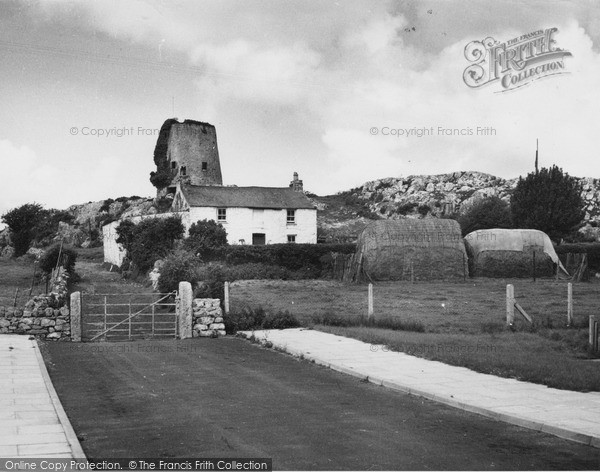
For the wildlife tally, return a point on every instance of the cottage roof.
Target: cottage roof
(245, 197)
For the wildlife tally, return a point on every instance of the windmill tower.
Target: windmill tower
(187, 153)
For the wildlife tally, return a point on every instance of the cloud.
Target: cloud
(25, 179)
(334, 72)
(29, 178)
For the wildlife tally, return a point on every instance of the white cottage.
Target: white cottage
(251, 215)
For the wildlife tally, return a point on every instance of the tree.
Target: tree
(178, 266)
(149, 240)
(206, 238)
(59, 255)
(23, 222)
(487, 213)
(548, 200)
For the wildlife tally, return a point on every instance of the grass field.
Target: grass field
(18, 274)
(457, 323)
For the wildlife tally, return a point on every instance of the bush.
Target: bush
(404, 208)
(50, 259)
(149, 240)
(106, 205)
(280, 320)
(245, 319)
(206, 239)
(248, 319)
(179, 266)
(424, 210)
(490, 212)
(591, 249)
(212, 278)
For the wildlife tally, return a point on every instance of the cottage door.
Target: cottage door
(258, 239)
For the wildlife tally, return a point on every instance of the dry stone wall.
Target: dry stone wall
(44, 316)
(207, 318)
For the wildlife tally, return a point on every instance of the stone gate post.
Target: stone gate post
(184, 310)
(75, 317)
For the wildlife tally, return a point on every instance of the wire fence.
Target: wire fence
(477, 305)
(19, 296)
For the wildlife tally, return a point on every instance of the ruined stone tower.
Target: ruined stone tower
(186, 153)
(296, 184)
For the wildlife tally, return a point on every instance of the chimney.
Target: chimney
(296, 184)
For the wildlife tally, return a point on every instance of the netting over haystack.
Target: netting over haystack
(510, 253)
(410, 249)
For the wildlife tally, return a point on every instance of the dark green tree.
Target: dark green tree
(179, 266)
(23, 223)
(56, 255)
(149, 240)
(548, 200)
(206, 238)
(487, 213)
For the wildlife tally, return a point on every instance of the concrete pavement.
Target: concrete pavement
(33, 423)
(567, 414)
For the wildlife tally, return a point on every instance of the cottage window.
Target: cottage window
(222, 214)
(291, 238)
(291, 217)
(183, 170)
(205, 166)
(173, 165)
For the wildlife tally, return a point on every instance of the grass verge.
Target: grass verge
(519, 355)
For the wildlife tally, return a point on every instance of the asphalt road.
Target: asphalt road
(228, 398)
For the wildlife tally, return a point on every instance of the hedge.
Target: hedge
(591, 249)
(290, 256)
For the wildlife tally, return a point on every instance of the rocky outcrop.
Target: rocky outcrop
(437, 195)
(445, 194)
(94, 213)
(418, 196)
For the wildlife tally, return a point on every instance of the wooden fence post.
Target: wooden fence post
(510, 305)
(593, 334)
(569, 304)
(226, 301)
(370, 308)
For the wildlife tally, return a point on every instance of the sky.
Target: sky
(328, 89)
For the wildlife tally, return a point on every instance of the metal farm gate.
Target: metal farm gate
(128, 316)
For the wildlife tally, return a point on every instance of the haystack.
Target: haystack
(406, 249)
(511, 253)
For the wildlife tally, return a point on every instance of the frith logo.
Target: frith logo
(516, 62)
